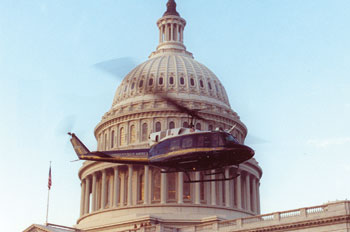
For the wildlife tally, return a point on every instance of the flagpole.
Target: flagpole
(48, 194)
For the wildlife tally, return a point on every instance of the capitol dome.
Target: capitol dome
(115, 196)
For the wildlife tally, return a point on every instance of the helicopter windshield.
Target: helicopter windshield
(230, 139)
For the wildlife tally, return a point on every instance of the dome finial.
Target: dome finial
(171, 8)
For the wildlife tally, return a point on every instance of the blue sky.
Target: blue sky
(284, 64)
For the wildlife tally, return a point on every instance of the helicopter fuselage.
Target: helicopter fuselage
(199, 150)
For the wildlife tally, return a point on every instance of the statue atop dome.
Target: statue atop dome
(171, 8)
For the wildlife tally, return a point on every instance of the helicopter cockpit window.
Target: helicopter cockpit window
(162, 147)
(187, 142)
(231, 139)
(204, 140)
(175, 144)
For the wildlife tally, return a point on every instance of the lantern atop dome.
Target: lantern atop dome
(171, 32)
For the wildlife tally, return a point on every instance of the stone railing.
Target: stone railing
(297, 215)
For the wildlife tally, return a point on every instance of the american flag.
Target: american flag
(50, 180)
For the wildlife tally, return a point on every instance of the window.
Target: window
(185, 124)
(126, 87)
(132, 134)
(158, 126)
(204, 140)
(171, 80)
(105, 141)
(150, 82)
(175, 144)
(192, 81)
(112, 139)
(140, 83)
(187, 189)
(171, 125)
(122, 141)
(201, 83)
(156, 185)
(144, 132)
(198, 126)
(209, 85)
(171, 183)
(160, 80)
(141, 187)
(133, 85)
(202, 187)
(210, 127)
(187, 142)
(182, 81)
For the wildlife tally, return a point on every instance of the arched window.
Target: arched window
(105, 141)
(158, 126)
(185, 124)
(182, 81)
(201, 83)
(132, 134)
(160, 80)
(198, 126)
(122, 141)
(171, 80)
(150, 82)
(155, 185)
(192, 81)
(209, 85)
(112, 139)
(141, 187)
(144, 132)
(140, 83)
(126, 87)
(171, 183)
(171, 125)
(210, 127)
(133, 85)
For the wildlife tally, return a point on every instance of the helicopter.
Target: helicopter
(183, 149)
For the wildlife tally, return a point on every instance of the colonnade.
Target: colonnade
(131, 185)
(171, 32)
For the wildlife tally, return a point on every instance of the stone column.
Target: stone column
(172, 32)
(82, 197)
(116, 190)
(239, 192)
(103, 190)
(130, 169)
(93, 203)
(213, 189)
(254, 198)
(87, 195)
(197, 197)
(247, 195)
(180, 198)
(146, 185)
(258, 196)
(163, 188)
(227, 188)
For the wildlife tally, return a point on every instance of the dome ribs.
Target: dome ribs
(147, 75)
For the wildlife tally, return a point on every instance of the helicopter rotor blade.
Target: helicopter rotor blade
(192, 112)
(118, 67)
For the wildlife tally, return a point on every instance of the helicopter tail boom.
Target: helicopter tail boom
(78, 146)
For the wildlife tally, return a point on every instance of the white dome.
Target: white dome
(173, 73)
